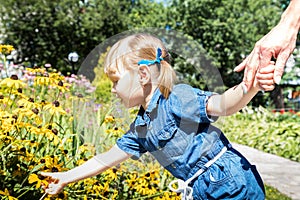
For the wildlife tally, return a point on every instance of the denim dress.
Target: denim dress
(177, 131)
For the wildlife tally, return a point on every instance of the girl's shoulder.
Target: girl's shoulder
(184, 89)
(187, 93)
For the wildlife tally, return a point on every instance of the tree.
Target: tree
(47, 31)
(227, 29)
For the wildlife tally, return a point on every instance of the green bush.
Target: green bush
(276, 133)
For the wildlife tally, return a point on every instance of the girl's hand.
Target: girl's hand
(58, 181)
(265, 77)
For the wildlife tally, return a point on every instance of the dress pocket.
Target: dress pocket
(166, 134)
(169, 144)
(220, 181)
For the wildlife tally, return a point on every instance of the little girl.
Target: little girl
(174, 125)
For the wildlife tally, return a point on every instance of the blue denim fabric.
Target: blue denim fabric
(177, 131)
(230, 177)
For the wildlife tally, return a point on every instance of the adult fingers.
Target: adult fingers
(251, 68)
(241, 66)
(280, 64)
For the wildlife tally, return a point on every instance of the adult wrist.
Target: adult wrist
(291, 17)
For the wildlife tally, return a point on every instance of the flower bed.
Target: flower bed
(52, 123)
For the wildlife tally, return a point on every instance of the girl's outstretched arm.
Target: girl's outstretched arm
(92, 167)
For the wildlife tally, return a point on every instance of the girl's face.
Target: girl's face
(127, 87)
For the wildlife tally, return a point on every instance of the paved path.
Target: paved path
(278, 172)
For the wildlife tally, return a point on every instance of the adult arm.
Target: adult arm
(92, 167)
(278, 43)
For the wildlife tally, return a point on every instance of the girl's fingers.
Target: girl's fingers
(53, 188)
(53, 176)
(267, 87)
(48, 174)
(268, 69)
(266, 82)
(264, 76)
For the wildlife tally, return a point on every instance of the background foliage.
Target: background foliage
(46, 31)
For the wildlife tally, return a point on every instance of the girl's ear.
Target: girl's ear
(145, 75)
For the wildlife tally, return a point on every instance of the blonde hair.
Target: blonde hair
(127, 52)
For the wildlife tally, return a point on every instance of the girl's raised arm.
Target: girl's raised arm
(235, 98)
(231, 101)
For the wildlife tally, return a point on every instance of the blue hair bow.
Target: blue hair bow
(151, 62)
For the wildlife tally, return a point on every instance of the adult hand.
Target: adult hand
(279, 43)
(57, 182)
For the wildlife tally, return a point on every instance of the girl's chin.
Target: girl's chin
(126, 104)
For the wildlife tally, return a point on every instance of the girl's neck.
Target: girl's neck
(148, 93)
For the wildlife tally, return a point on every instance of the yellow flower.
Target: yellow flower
(81, 161)
(51, 134)
(132, 179)
(24, 155)
(19, 93)
(27, 103)
(36, 71)
(35, 178)
(56, 76)
(97, 188)
(87, 147)
(17, 172)
(25, 111)
(43, 80)
(115, 194)
(4, 101)
(116, 132)
(6, 193)
(12, 82)
(7, 121)
(30, 143)
(6, 49)
(52, 164)
(54, 108)
(142, 189)
(109, 119)
(63, 87)
(167, 195)
(111, 174)
(7, 138)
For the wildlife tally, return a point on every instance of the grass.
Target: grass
(274, 194)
